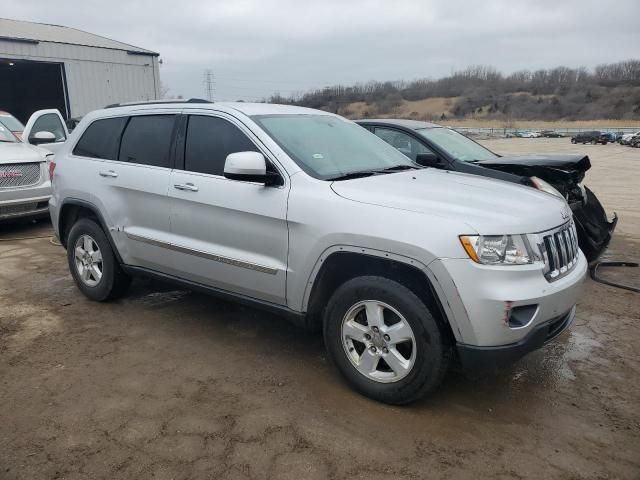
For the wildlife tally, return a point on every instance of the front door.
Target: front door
(48, 122)
(227, 234)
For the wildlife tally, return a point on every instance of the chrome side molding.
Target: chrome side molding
(198, 253)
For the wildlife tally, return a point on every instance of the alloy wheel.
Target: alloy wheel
(88, 260)
(378, 341)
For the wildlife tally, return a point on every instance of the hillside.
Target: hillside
(481, 94)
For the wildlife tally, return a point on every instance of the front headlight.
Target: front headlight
(545, 187)
(497, 249)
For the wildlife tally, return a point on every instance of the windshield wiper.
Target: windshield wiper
(349, 176)
(397, 168)
(368, 173)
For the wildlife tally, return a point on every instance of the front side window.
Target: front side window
(50, 122)
(101, 139)
(457, 146)
(328, 147)
(209, 141)
(403, 142)
(147, 140)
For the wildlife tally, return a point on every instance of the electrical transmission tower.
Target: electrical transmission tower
(209, 84)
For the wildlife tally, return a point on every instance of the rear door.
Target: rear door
(130, 160)
(227, 234)
(48, 121)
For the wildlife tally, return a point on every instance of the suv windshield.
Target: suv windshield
(11, 122)
(456, 145)
(328, 147)
(6, 135)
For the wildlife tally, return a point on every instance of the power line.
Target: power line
(209, 84)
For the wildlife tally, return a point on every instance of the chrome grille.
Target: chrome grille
(559, 248)
(19, 174)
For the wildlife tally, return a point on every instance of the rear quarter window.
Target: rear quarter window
(101, 139)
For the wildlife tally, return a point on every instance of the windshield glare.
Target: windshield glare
(456, 145)
(325, 146)
(6, 135)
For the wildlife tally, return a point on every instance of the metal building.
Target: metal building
(50, 66)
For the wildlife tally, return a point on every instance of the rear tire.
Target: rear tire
(93, 264)
(388, 366)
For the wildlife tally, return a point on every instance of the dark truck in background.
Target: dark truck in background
(592, 137)
(439, 147)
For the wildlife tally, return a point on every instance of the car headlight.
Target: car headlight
(497, 249)
(545, 187)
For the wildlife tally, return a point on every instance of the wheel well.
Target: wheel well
(340, 267)
(69, 215)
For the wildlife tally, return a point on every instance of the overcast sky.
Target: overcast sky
(257, 47)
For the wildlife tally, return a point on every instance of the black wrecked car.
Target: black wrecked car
(592, 137)
(435, 146)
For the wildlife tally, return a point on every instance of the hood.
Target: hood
(552, 168)
(21, 153)
(489, 206)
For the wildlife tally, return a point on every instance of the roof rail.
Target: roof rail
(158, 102)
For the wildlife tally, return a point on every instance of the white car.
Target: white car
(626, 138)
(25, 187)
(531, 134)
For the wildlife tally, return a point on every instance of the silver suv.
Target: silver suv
(405, 269)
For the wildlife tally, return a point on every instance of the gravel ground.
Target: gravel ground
(171, 384)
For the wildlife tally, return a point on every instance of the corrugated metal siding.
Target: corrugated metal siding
(56, 33)
(95, 76)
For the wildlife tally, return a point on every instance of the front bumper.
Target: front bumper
(477, 360)
(497, 306)
(25, 207)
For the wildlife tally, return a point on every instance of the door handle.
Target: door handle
(189, 187)
(108, 173)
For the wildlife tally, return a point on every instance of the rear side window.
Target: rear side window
(101, 139)
(209, 141)
(147, 140)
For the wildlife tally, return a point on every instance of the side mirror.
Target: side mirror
(430, 160)
(249, 167)
(42, 137)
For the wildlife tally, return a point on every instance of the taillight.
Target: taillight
(52, 167)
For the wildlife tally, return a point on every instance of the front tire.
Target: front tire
(92, 262)
(384, 340)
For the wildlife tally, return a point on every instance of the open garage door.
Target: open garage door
(27, 86)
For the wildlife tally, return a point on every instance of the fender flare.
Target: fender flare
(96, 212)
(435, 284)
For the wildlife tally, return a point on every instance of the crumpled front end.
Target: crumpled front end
(593, 226)
(566, 173)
